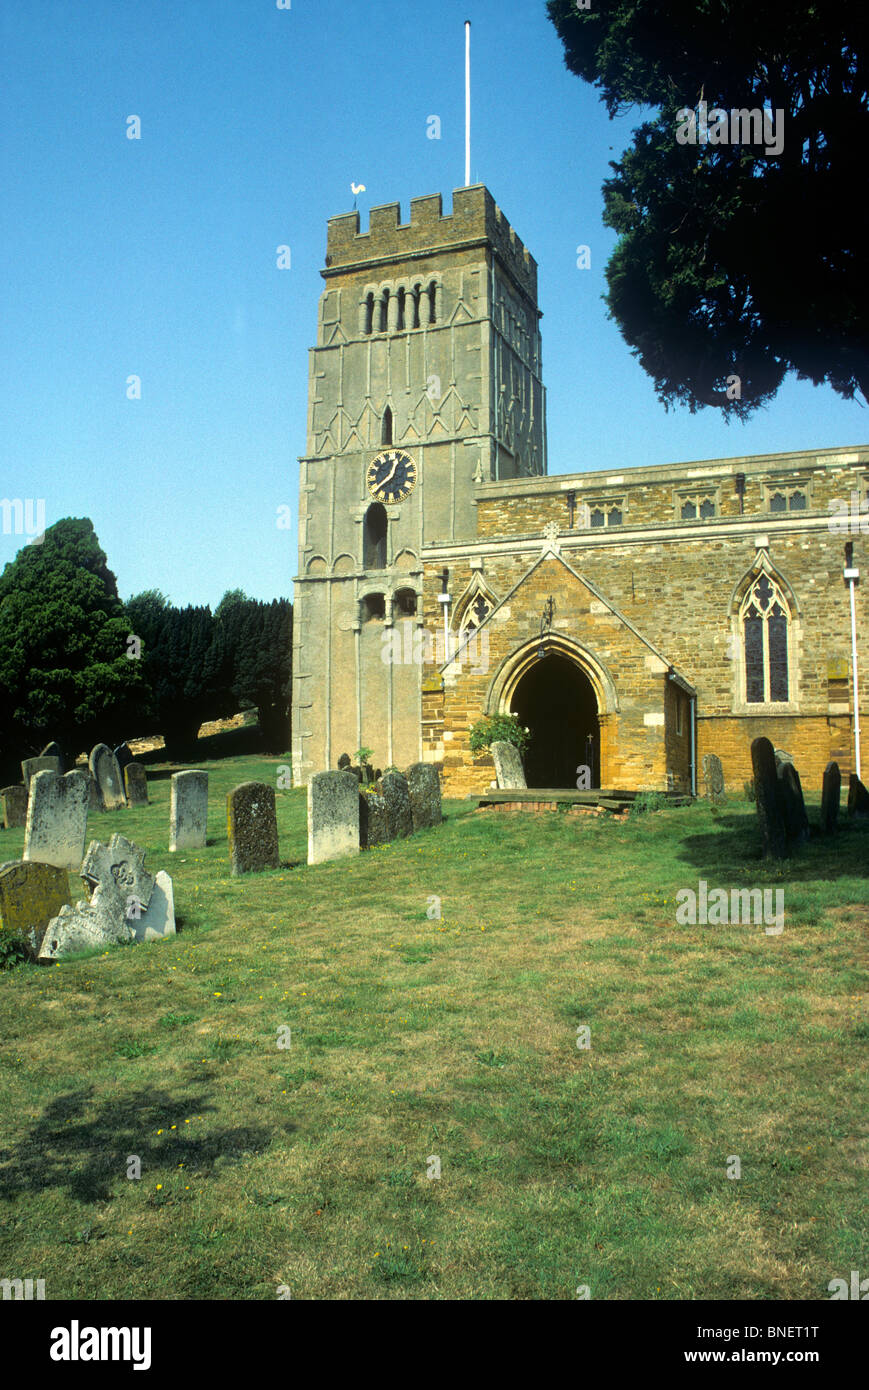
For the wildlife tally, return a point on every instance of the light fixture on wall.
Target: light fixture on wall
(545, 626)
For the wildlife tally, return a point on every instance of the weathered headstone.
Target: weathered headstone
(95, 801)
(14, 800)
(772, 827)
(252, 828)
(121, 862)
(31, 766)
(124, 755)
(424, 786)
(781, 756)
(136, 784)
(158, 919)
(333, 816)
(57, 818)
(397, 797)
(188, 810)
(713, 777)
(831, 792)
(858, 797)
(345, 762)
(120, 891)
(508, 765)
(793, 806)
(373, 820)
(54, 750)
(31, 895)
(105, 771)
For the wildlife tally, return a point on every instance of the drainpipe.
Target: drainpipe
(693, 745)
(444, 601)
(852, 575)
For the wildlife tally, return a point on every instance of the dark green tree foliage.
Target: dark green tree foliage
(184, 662)
(64, 669)
(257, 642)
(732, 262)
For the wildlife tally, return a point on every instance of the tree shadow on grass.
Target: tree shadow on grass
(83, 1148)
(734, 849)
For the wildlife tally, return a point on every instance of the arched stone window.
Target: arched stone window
(763, 619)
(386, 427)
(372, 607)
(374, 537)
(404, 603)
(369, 312)
(384, 311)
(402, 305)
(431, 291)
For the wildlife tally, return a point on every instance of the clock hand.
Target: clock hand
(388, 477)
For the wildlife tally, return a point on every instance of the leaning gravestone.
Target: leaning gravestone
(858, 797)
(398, 812)
(713, 777)
(188, 810)
(424, 786)
(793, 806)
(508, 765)
(31, 895)
(333, 816)
(831, 792)
(158, 919)
(31, 766)
(373, 820)
(57, 819)
(54, 750)
(136, 784)
(14, 801)
(123, 755)
(252, 828)
(105, 771)
(772, 827)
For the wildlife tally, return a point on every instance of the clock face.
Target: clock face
(391, 477)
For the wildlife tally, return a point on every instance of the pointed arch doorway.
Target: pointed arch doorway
(556, 701)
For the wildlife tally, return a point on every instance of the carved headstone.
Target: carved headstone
(858, 797)
(713, 777)
(136, 784)
(424, 786)
(119, 889)
(31, 895)
(188, 810)
(373, 820)
(333, 816)
(793, 806)
(31, 766)
(14, 801)
(772, 827)
(831, 793)
(105, 771)
(121, 862)
(397, 797)
(508, 765)
(252, 828)
(57, 818)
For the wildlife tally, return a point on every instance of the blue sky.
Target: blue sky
(157, 257)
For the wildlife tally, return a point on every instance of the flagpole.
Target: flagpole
(467, 102)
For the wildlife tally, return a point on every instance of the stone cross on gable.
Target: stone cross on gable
(550, 541)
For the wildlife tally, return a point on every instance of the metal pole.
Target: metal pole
(851, 583)
(467, 102)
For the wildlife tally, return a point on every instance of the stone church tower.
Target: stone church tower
(424, 383)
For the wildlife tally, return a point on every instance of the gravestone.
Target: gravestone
(105, 771)
(136, 784)
(252, 828)
(121, 862)
(713, 777)
(345, 762)
(14, 800)
(858, 797)
(508, 765)
(424, 786)
(399, 815)
(31, 895)
(373, 820)
(781, 756)
(772, 827)
(333, 816)
(57, 818)
(120, 891)
(31, 766)
(123, 755)
(158, 919)
(54, 750)
(188, 810)
(831, 792)
(95, 801)
(793, 806)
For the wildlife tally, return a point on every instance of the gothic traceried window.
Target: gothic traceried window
(764, 621)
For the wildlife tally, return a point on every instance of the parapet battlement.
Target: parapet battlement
(475, 217)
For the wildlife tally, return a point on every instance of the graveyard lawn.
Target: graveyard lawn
(413, 1040)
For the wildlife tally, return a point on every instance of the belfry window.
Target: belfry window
(404, 603)
(697, 507)
(386, 427)
(384, 311)
(369, 312)
(764, 621)
(431, 302)
(372, 607)
(793, 498)
(374, 537)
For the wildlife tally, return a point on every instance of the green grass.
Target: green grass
(306, 1165)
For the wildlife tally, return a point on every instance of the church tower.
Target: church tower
(425, 381)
